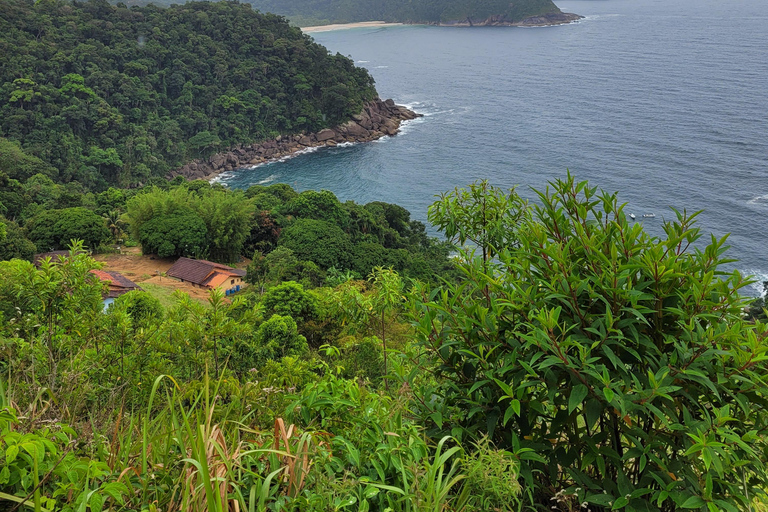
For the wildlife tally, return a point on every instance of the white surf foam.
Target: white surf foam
(407, 125)
(268, 179)
(759, 200)
(760, 276)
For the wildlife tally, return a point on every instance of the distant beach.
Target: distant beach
(344, 26)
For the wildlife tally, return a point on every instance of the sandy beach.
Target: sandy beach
(344, 26)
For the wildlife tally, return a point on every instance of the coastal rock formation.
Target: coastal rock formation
(544, 20)
(377, 119)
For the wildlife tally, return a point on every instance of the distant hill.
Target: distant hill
(438, 12)
(110, 95)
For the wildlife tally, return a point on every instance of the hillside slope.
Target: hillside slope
(115, 95)
(443, 12)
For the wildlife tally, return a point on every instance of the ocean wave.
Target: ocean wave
(407, 125)
(268, 179)
(759, 200)
(760, 277)
(362, 61)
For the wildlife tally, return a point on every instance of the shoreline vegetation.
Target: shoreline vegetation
(379, 118)
(346, 26)
(545, 20)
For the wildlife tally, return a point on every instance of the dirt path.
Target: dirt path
(148, 272)
(134, 266)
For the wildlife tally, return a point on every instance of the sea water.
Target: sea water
(665, 102)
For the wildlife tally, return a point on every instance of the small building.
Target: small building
(207, 274)
(118, 285)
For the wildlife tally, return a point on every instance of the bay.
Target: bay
(665, 102)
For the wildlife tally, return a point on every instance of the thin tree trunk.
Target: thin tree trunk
(384, 343)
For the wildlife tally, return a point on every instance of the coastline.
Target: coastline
(346, 26)
(545, 20)
(377, 119)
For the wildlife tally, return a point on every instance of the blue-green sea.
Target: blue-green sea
(665, 102)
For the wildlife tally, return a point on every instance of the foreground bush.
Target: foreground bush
(622, 360)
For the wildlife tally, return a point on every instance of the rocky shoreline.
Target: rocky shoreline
(378, 119)
(545, 20)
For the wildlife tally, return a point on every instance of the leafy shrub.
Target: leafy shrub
(55, 229)
(318, 241)
(290, 299)
(364, 359)
(141, 307)
(278, 337)
(620, 360)
(491, 478)
(182, 233)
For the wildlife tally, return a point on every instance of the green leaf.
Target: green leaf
(694, 502)
(578, 394)
(11, 453)
(599, 499)
(620, 503)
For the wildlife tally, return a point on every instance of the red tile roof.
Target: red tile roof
(199, 272)
(118, 284)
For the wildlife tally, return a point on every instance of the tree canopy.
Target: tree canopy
(116, 95)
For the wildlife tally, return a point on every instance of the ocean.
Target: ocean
(664, 102)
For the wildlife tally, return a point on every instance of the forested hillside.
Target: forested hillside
(317, 12)
(320, 12)
(107, 95)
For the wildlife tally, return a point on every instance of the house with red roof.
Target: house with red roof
(207, 274)
(118, 285)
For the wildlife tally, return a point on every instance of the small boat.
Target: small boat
(649, 215)
(632, 216)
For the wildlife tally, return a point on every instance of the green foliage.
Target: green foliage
(321, 12)
(110, 95)
(279, 337)
(15, 244)
(483, 215)
(141, 307)
(227, 221)
(18, 165)
(364, 359)
(321, 205)
(190, 221)
(616, 364)
(492, 478)
(290, 299)
(319, 241)
(182, 233)
(56, 229)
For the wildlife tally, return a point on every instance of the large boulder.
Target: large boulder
(326, 134)
(217, 161)
(355, 130)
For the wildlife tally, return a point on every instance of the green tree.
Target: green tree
(55, 229)
(279, 337)
(290, 299)
(375, 308)
(483, 215)
(615, 364)
(15, 244)
(182, 233)
(318, 241)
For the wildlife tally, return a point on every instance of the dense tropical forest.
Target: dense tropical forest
(318, 12)
(541, 356)
(109, 95)
(321, 12)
